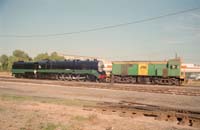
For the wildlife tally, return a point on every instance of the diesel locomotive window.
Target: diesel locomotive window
(174, 67)
(143, 67)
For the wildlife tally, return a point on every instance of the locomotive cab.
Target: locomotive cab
(174, 70)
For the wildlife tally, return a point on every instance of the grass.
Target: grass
(75, 122)
(2, 109)
(53, 126)
(50, 126)
(79, 118)
(58, 101)
(91, 117)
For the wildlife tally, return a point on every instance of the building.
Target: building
(190, 70)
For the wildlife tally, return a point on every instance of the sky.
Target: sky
(153, 40)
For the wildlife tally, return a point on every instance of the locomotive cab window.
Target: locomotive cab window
(174, 67)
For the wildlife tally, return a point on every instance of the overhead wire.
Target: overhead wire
(104, 27)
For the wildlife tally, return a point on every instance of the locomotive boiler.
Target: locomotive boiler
(91, 70)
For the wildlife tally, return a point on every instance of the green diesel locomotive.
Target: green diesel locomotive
(151, 72)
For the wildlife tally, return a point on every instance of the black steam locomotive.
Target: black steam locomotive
(91, 70)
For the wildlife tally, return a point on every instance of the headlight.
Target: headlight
(100, 66)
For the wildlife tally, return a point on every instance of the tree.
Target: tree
(55, 56)
(11, 60)
(21, 56)
(41, 56)
(4, 62)
(18, 55)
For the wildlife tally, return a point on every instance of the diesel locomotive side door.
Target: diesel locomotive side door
(143, 69)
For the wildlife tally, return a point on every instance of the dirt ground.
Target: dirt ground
(6, 74)
(37, 113)
(95, 94)
(28, 106)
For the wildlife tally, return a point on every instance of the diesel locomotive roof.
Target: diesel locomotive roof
(137, 62)
(149, 62)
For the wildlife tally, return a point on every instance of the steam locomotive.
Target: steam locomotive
(87, 70)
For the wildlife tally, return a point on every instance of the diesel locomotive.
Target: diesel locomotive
(86, 70)
(151, 72)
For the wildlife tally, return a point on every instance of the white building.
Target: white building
(190, 68)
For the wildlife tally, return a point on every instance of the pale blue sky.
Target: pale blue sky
(154, 40)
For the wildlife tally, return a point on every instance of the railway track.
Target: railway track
(133, 109)
(175, 90)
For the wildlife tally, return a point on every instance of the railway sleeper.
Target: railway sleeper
(170, 116)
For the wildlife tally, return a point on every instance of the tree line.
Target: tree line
(19, 55)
